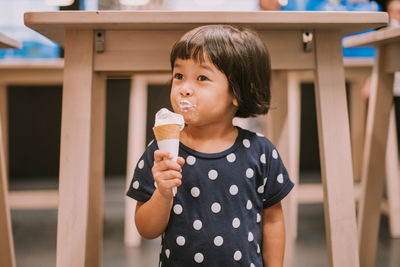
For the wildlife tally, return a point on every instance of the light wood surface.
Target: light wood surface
(387, 42)
(53, 24)
(33, 199)
(31, 72)
(6, 241)
(379, 37)
(283, 130)
(393, 178)
(357, 70)
(282, 33)
(335, 150)
(79, 165)
(7, 42)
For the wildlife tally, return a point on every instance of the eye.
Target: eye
(178, 76)
(202, 78)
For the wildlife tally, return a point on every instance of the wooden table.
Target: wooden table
(28, 72)
(387, 42)
(113, 42)
(6, 241)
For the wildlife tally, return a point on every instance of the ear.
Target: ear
(235, 102)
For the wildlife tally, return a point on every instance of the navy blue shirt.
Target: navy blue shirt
(216, 217)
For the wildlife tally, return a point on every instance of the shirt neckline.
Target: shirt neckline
(221, 154)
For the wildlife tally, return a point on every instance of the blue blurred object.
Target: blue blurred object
(32, 49)
(344, 5)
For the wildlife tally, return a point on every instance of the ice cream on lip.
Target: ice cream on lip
(186, 106)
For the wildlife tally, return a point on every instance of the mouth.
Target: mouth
(186, 106)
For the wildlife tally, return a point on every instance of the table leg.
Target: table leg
(284, 132)
(373, 171)
(4, 119)
(136, 146)
(393, 178)
(294, 119)
(79, 236)
(357, 125)
(335, 151)
(7, 257)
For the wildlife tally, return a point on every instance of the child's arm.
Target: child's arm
(152, 217)
(273, 236)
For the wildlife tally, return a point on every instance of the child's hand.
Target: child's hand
(167, 172)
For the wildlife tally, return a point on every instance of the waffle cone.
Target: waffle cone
(167, 131)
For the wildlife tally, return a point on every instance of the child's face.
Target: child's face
(200, 92)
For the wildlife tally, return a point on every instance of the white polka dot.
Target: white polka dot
(252, 265)
(246, 143)
(218, 241)
(233, 190)
(249, 205)
(155, 184)
(195, 192)
(237, 256)
(262, 159)
(198, 257)
(178, 209)
(180, 241)
(141, 164)
(265, 180)
(258, 249)
(261, 135)
(250, 237)
(135, 185)
(231, 157)
(249, 173)
(236, 223)
(260, 189)
(258, 218)
(167, 252)
(213, 174)
(216, 207)
(197, 224)
(274, 154)
(190, 160)
(280, 178)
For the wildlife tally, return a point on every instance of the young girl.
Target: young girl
(230, 181)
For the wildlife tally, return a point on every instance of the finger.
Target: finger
(159, 155)
(168, 165)
(169, 184)
(167, 175)
(180, 161)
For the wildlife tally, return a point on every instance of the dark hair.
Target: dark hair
(240, 55)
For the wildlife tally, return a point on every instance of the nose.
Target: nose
(186, 90)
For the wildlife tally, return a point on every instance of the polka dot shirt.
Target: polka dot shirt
(216, 216)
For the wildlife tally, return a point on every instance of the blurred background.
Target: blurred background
(34, 121)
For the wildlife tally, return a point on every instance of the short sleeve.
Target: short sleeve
(277, 183)
(142, 185)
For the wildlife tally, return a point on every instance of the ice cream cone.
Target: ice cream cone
(167, 131)
(168, 126)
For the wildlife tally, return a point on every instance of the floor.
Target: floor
(35, 234)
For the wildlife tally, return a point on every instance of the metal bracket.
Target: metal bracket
(99, 41)
(307, 41)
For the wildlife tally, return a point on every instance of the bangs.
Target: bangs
(191, 46)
